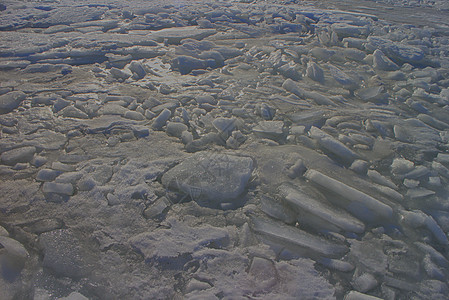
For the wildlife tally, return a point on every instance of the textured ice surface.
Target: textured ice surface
(224, 150)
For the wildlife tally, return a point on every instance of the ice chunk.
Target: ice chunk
(47, 175)
(134, 115)
(176, 129)
(401, 166)
(314, 72)
(364, 282)
(331, 145)
(137, 69)
(339, 149)
(380, 179)
(432, 269)
(374, 94)
(350, 193)
(119, 74)
(309, 206)
(63, 253)
(320, 99)
(264, 273)
(431, 121)
(10, 101)
(14, 248)
(224, 125)
(277, 210)
(185, 64)
(399, 52)
(342, 78)
(295, 237)
(442, 170)
(74, 296)
(443, 158)
(270, 129)
(157, 208)
(434, 254)
(58, 188)
(18, 155)
(297, 169)
(168, 245)
(369, 255)
(381, 62)
(73, 112)
(177, 34)
(436, 230)
(353, 295)
(334, 264)
(161, 119)
(215, 177)
(359, 166)
(344, 30)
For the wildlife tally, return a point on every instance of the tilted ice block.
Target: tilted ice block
(436, 230)
(332, 145)
(381, 62)
(436, 256)
(442, 170)
(433, 122)
(296, 237)
(353, 295)
(161, 119)
(338, 148)
(336, 264)
(314, 72)
(342, 78)
(389, 192)
(349, 193)
(432, 269)
(380, 179)
(293, 88)
(374, 94)
(309, 205)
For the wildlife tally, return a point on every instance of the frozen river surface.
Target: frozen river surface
(224, 149)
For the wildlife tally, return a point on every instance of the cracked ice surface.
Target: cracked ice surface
(224, 149)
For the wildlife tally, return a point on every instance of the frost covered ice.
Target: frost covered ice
(224, 150)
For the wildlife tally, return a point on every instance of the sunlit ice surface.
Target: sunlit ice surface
(224, 149)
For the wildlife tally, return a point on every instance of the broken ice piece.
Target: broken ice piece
(270, 129)
(157, 208)
(18, 155)
(173, 245)
(335, 264)
(294, 237)
(324, 212)
(58, 188)
(381, 62)
(353, 295)
(349, 193)
(364, 282)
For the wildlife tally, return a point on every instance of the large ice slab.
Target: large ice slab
(212, 176)
(292, 236)
(308, 205)
(355, 196)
